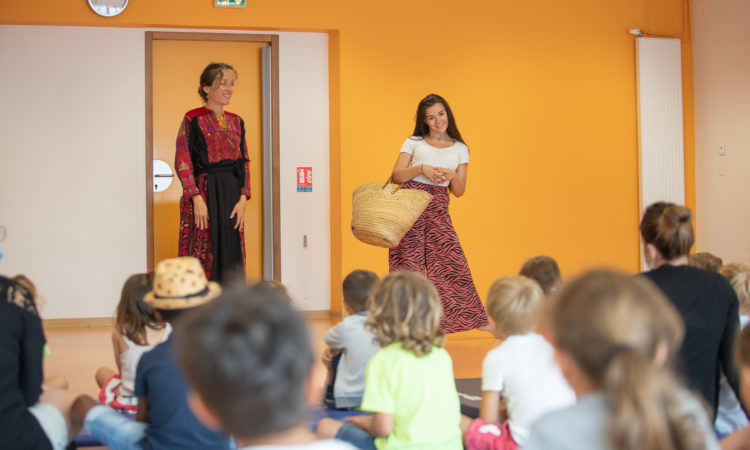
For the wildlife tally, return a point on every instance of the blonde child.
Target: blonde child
(615, 337)
(706, 261)
(729, 414)
(521, 370)
(409, 385)
(137, 330)
(740, 439)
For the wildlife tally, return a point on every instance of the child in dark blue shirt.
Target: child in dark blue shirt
(164, 419)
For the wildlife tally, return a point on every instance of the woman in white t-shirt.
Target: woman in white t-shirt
(435, 159)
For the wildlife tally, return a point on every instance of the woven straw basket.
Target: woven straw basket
(383, 213)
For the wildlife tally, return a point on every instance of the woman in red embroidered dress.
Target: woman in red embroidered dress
(212, 164)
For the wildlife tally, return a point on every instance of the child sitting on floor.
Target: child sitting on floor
(706, 261)
(164, 419)
(29, 417)
(51, 381)
(614, 337)
(543, 270)
(740, 439)
(729, 414)
(521, 370)
(409, 385)
(249, 358)
(351, 345)
(137, 330)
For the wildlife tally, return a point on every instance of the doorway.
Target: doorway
(174, 62)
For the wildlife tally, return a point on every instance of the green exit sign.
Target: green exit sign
(230, 3)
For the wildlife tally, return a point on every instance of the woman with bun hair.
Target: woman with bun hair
(615, 337)
(212, 163)
(705, 300)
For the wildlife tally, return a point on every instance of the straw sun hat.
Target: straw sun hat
(180, 283)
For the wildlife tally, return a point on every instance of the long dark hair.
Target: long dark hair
(133, 313)
(421, 129)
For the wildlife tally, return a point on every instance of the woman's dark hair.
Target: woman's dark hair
(133, 313)
(668, 227)
(421, 129)
(211, 73)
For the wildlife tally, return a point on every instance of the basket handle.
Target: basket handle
(388, 181)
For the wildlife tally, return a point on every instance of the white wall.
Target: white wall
(303, 102)
(721, 52)
(72, 167)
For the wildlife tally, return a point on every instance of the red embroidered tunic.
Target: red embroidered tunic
(212, 161)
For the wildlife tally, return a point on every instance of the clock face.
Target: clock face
(108, 8)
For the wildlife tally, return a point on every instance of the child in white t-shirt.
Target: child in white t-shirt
(521, 371)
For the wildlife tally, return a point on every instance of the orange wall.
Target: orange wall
(543, 92)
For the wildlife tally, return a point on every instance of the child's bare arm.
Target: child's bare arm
(328, 355)
(739, 440)
(378, 425)
(489, 410)
(141, 414)
(118, 346)
(382, 424)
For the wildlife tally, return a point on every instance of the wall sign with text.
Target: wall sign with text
(304, 179)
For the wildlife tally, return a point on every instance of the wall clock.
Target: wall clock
(108, 8)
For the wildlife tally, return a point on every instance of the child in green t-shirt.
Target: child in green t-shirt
(409, 386)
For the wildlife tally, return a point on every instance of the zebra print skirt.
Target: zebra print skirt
(431, 247)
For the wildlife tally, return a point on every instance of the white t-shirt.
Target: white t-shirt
(423, 153)
(524, 370)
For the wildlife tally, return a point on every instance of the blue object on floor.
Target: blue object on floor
(470, 395)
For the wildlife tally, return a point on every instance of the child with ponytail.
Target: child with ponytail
(614, 337)
(705, 300)
(137, 330)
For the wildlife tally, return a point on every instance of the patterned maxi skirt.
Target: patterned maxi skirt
(220, 248)
(431, 246)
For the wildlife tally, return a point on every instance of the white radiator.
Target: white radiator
(661, 163)
(660, 138)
